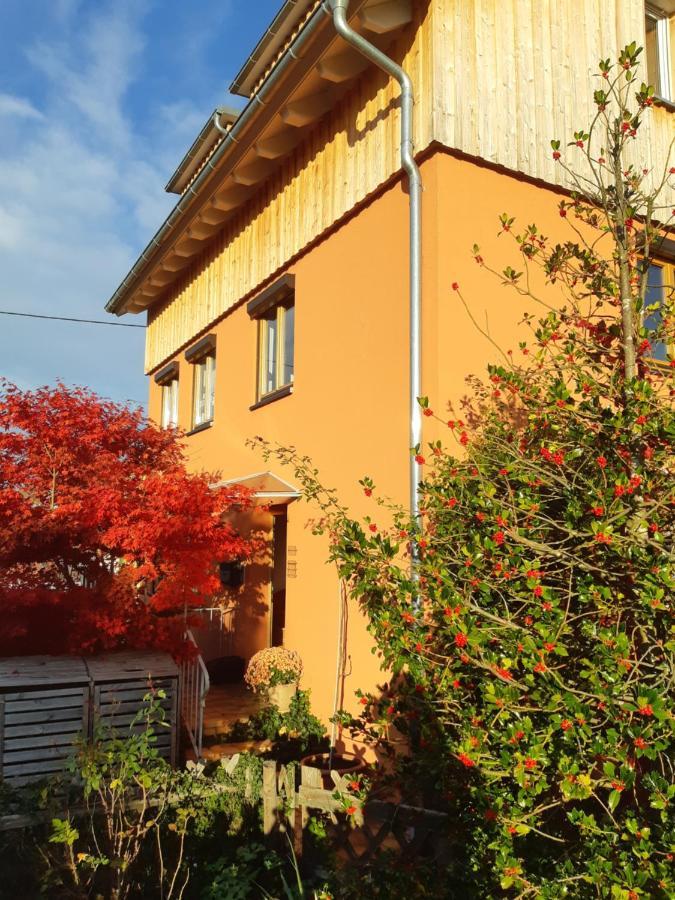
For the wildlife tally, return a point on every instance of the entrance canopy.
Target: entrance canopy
(267, 488)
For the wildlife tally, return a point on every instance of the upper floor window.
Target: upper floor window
(167, 379)
(660, 285)
(202, 356)
(274, 310)
(658, 49)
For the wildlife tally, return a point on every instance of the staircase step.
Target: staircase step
(221, 726)
(217, 751)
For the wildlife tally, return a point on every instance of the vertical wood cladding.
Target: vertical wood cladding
(496, 79)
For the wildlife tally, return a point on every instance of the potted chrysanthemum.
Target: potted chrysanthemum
(275, 671)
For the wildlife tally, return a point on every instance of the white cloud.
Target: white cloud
(18, 106)
(81, 192)
(93, 81)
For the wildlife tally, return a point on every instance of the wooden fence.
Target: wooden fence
(288, 803)
(376, 826)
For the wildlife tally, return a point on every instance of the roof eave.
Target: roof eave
(269, 45)
(200, 148)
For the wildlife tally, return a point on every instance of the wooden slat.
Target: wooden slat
(142, 686)
(33, 769)
(131, 665)
(174, 722)
(40, 753)
(128, 688)
(37, 695)
(270, 796)
(42, 715)
(47, 740)
(41, 671)
(68, 727)
(115, 709)
(117, 722)
(52, 702)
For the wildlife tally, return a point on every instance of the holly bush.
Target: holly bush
(526, 616)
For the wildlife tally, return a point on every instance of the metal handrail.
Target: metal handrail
(195, 684)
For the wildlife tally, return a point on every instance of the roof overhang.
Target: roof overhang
(306, 80)
(286, 21)
(266, 487)
(201, 149)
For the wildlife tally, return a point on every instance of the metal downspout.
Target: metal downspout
(338, 10)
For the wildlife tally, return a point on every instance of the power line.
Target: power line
(6, 312)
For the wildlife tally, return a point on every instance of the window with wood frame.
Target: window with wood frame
(202, 357)
(274, 311)
(659, 19)
(658, 300)
(167, 379)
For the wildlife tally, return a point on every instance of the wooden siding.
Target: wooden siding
(511, 75)
(495, 80)
(345, 158)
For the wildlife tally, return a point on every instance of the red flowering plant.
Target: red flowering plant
(531, 640)
(105, 538)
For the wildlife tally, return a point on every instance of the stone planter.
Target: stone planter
(281, 695)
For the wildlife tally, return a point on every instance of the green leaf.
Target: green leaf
(613, 800)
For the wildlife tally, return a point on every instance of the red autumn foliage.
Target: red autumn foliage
(105, 538)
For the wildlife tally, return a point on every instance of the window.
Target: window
(202, 356)
(657, 46)
(660, 283)
(205, 384)
(274, 310)
(167, 379)
(170, 404)
(276, 341)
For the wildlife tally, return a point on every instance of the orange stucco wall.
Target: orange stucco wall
(349, 408)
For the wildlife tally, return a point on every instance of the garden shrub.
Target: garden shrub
(294, 734)
(125, 824)
(526, 617)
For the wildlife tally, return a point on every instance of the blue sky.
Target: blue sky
(99, 99)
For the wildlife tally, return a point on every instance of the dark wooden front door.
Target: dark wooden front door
(279, 577)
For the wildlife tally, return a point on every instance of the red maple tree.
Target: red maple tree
(105, 537)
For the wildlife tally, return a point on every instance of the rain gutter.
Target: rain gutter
(338, 10)
(285, 20)
(293, 53)
(197, 151)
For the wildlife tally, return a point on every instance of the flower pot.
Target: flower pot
(281, 696)
(342, 763)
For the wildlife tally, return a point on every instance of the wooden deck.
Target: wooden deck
(227, 704)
